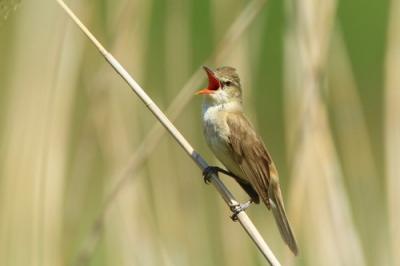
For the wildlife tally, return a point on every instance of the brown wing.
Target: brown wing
(254, 160)
(251, 155)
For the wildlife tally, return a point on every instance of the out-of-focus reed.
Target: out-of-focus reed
(392, 130)
(318, 202)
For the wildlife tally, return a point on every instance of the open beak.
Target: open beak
(213, 82)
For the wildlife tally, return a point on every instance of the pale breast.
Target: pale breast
(216, 132)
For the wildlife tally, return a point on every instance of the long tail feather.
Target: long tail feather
(278, 210)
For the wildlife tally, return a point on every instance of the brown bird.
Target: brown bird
(236, 144)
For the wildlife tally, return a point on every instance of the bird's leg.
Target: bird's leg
(236, 209)
(214, 170)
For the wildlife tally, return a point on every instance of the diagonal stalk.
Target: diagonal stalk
(156, 132)
(242, 217)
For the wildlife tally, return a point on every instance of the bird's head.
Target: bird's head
(223, 85)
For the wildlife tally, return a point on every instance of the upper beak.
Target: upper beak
(213, 82)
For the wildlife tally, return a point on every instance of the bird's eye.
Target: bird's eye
(228, 83)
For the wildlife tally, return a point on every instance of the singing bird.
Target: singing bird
(236, 144)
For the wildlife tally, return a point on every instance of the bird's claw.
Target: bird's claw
(207, 172)
(236, 209)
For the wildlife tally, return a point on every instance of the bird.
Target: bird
(236, 144)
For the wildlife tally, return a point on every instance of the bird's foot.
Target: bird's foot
(236, 209)
(209, 170)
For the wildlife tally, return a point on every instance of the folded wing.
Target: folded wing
(254, 160)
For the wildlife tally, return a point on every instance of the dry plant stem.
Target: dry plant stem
(224, 192)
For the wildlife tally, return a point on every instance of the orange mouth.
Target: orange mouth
(213, 82)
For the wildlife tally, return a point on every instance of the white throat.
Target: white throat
(211, 109)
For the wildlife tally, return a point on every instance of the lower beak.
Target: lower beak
(213, 83)
(203, 91)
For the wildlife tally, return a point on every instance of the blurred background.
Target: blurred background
(87, 177)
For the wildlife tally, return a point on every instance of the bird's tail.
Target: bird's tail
(278, 210)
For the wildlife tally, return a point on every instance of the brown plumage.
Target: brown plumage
(235, 143)
(251, 155)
